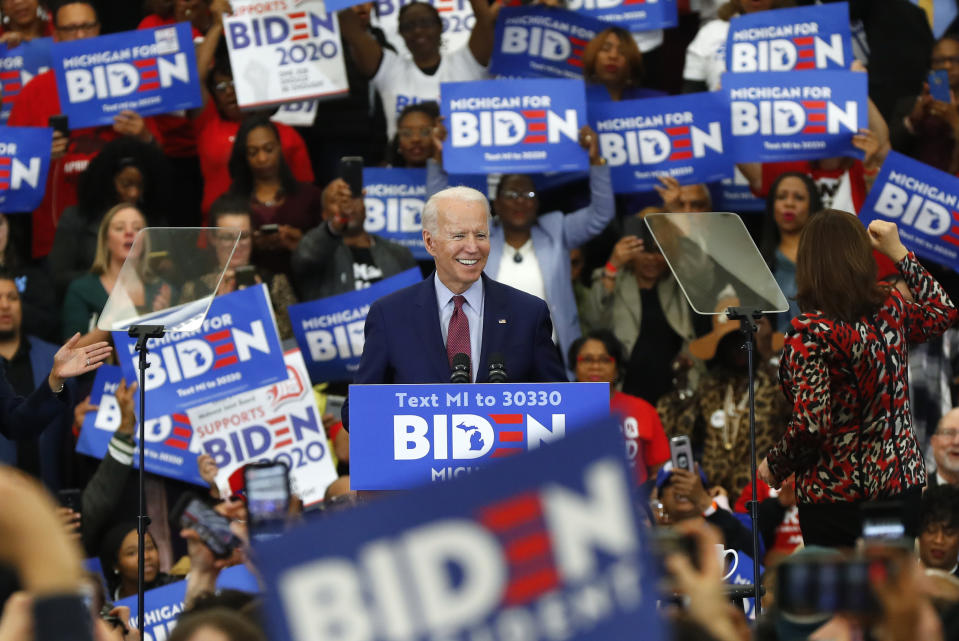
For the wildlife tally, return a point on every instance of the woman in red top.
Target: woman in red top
(843, 369)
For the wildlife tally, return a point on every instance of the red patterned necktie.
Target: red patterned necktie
(458, 336)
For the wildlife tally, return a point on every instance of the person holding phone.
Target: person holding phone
(924, 126)
(283, 207)
(843, 369)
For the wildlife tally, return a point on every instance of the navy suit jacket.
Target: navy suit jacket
(404, 342)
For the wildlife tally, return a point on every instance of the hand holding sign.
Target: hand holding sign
(130, 123)
(884, 237)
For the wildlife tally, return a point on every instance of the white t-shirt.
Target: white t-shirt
(400, 82)
(706, 54)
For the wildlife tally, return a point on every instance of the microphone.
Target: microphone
(461, 369)
(497, 368)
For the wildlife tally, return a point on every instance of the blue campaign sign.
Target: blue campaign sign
(733, 194)
(236, 350)
(18, 66)
(526, 126)
(24, 163)
(329, 331)
(802, 38)
(685, 137)
(508, 552)
(923, 202)
(168, 437)
(633, 15)
(800, 115)
(410, 435)
(163, 606)
(541, 41)
(394, 200)
(151, 71)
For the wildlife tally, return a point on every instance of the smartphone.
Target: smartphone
(681, 453)
(213, 528)
(824, 584)
(636, 226)
(271, 228)
(351, 171)
(939, 85)
(267, 498)
(882, 524)
(245, 276)
(334, 405)
(71, 498)
(60, 123)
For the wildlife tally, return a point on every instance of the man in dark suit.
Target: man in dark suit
(413, 334)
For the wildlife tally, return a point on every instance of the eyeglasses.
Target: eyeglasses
(595, 360)
(417, 23)
(77, 28)
(519, 195)
(947, 433)
(939, 61)
(223, 85)
(411, 132)
(245, 237)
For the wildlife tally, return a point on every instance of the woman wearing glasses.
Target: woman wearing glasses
(529, 250)
(597, 357)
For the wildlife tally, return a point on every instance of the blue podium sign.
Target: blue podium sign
(408, 435)
(546, 545)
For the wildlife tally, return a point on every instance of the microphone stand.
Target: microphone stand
(747, 318)
(142, 333)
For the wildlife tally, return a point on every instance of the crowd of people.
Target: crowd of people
(854, 386)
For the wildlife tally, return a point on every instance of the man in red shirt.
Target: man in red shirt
(70, 154)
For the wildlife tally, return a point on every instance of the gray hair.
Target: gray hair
(430, 216)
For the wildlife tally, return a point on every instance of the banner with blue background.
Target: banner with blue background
(411, 435)
(680, 136)
(923, 202)
(800, 115)
(329, 331)
(24, 164)
(394, 200)
(525, 126)
(632, 15)
(795, 39)
(168, 436)
(541, 41)
(512, 548)
(18, 66)
(236, 350)
(149, 71)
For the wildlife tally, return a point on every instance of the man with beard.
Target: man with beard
(945, 450)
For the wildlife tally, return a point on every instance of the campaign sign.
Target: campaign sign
(296, 114)
(169, 450)
(279, 422)
(235, 350)
(18, 66)
(410, 435)
(542, 546)
(329, 330)
(524, 126)
(922, 201)
(394, 200)
(164, 605)
(151, 71)
(796, 116)
(285, 51)
(24, 163)
(679, 136)
(803, 38)
(541, 41)
(633, 15)
(734, 194)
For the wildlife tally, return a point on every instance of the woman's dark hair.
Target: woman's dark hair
(835, 268)
(234, 625)
(239, 166)
(634, 57)
(769, 240)
(221, 64)
(426, 5)
(939, 506)
(429, 108)
(96, 192)
(613, 347)
(229, 203)
(110, 550)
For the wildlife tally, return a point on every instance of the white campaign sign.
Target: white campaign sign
(284, 51)
(278, 422)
